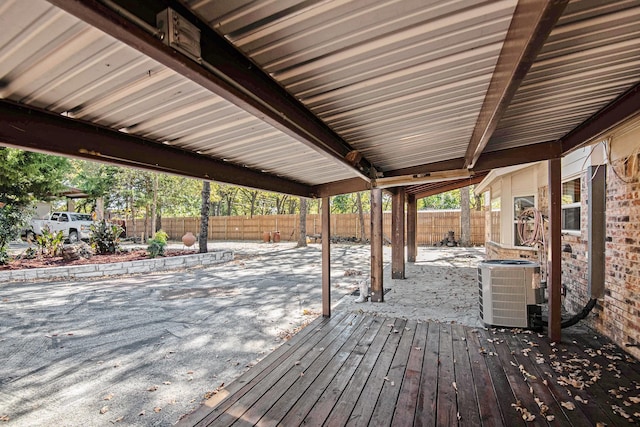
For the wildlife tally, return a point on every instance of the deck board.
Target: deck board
(354, 369)
(467, 400)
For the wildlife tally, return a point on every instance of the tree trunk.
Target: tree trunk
(133, 218)
(204, 217)
(302, 238)
(154, 207)
(363, 236)
(465, 217)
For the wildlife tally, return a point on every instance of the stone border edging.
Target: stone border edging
(117, 268)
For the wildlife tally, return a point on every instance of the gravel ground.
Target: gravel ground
(143, 350)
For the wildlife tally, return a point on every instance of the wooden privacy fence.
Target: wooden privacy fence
(432, 226)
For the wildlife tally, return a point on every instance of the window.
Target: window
(521, 204)
(571, 205)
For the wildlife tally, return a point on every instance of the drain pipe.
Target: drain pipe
(576, 317)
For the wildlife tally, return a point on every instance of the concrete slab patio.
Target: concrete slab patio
(146, 349)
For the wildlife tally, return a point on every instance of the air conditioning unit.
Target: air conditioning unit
(510, 292)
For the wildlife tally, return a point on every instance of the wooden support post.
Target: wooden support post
(555, 248)
(326, 257)
(377, 293)
(397, 238)
(412, 228)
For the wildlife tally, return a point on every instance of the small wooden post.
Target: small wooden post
(412, 228)
(555, 248)
(377, 293)
(326, 257)
(397, 238)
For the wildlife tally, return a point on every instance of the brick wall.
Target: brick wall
(617, 315)
(620, 317)
(496, 251)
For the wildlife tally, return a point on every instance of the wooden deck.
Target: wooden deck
(363, 370)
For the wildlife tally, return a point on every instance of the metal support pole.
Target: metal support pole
(397, 238)
(555, 249)
(377, 293)
(326, 257)
(412, 228)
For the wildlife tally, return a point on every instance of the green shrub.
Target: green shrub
(105, 238)
(29, 253)
(50, 244)
(11, 219)
(157, 244)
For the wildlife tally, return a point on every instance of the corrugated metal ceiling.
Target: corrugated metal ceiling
(51, 60)
(590, 58)
(401, 81)
(404, 82)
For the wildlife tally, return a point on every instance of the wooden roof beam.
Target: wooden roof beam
(530, 26)
(625, 106)
(36, 130)
(446, 186)
(228, 73)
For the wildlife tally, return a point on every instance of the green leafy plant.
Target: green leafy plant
(29, 253)
(50, 244)
(105, 237)
(157, 244)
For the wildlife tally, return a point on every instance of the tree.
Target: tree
(361, 217)
(204, 217)
(302, 237)
(448, 200)
(26, 177)
(465, 217)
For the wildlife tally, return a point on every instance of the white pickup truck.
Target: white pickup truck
(74, 226)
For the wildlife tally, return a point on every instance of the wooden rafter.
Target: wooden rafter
(36, 130)
(624, 107)
(530, 26)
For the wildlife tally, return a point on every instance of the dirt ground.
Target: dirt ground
(19, 261)
(146, 349)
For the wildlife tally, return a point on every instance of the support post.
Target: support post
(326, 257)
(555, 247)
(397, 238)
(412, 228)
(377, 293)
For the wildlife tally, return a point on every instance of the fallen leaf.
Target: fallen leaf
(157, 409)
(119, 419)
(141, 413)
(108, 397)
(581, 400)
(152, 388)
(634, 399)
(569, 405)
(551, 418)
(104, 409)
(5, 418)
(455, 386)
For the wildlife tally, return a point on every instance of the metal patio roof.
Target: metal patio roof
(317, 97)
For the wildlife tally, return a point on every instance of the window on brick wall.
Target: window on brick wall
(571, 205)
(520, 204)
